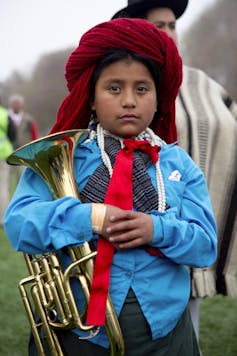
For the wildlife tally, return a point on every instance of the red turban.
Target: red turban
(136, 35)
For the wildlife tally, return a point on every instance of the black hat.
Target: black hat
(137, 8)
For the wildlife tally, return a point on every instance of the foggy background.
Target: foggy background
(37, 38)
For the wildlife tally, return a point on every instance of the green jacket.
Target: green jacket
(6, 147)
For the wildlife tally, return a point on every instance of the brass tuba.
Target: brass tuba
(47, 290)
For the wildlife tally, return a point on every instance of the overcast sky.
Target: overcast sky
(30, 28)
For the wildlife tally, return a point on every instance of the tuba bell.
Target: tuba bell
(47, 291)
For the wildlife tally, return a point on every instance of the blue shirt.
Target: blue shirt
(185, 233)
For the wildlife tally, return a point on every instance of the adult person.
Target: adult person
(160, 222)
(207, 130)
(27, 128)
(7, 136)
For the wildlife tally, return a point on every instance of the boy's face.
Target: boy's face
(125, 98)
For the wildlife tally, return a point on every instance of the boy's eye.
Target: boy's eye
(142, 89)
(114, 88)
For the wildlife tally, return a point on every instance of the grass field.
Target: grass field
(218, 319)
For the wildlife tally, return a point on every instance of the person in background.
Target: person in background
(7, 136)
(207, 130)
(26, 126)
(123, 89)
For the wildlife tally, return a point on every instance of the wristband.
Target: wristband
(97, 216)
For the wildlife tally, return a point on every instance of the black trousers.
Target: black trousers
(181, 341)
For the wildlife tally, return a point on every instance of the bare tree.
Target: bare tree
(47, 88)
(210, 44)
(43, 91)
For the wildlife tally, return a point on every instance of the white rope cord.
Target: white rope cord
(148, 135)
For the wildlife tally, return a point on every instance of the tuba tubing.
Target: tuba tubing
(51, 157)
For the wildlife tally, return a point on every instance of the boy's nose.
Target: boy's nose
(128, 99)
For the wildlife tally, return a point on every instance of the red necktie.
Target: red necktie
(119, 193)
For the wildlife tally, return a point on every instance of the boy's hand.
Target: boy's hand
(126, 228)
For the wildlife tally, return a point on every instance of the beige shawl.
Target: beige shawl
(207, 130)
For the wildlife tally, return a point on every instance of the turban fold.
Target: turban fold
(136, 35)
